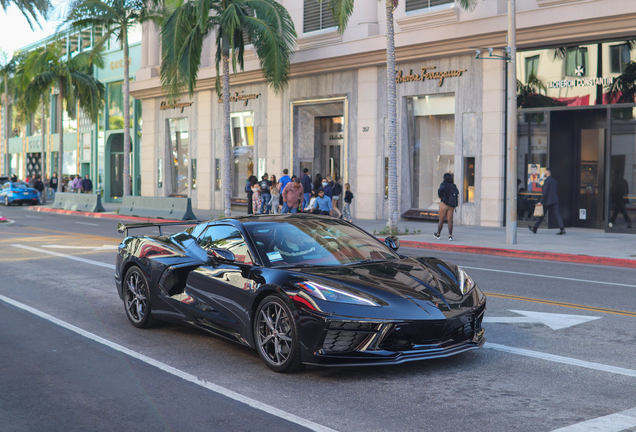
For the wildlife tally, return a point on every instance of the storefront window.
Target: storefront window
(432, 150)
(621, 203)
(532, 144)
(469, 179)
(576, 62)
(242, 135)
(116, 106)
(15, 164)
(177, 175)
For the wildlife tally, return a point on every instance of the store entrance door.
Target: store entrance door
(577, 160)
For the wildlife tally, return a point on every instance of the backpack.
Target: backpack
(248, 188)
(453, 196)
(337, 189)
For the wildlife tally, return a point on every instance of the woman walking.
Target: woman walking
(336, 190)
(346, 211)
(449, 197)
(275, 195)
(256, 197)
(251, 181)
(317, 183)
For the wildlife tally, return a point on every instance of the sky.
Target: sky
(15, 32)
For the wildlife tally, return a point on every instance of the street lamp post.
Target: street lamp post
(511, 141)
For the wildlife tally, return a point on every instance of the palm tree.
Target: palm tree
(342, 11)
(74, 81)
(264, 23)
(529, 94)
(8, 69)
(117, 17)
(29, 8)
(623, 89)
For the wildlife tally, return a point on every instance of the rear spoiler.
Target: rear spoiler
(123, 228)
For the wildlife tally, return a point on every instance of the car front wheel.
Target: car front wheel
(276, 334)
(6, 201)
(137, 299)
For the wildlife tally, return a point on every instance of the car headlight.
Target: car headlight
(326, 293)
(466, 283)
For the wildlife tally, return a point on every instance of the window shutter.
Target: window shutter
(413, 5)
(316, 15)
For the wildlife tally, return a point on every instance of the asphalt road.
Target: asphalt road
(69, 359)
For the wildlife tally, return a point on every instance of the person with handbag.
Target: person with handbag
(549, 202)
(449, 199)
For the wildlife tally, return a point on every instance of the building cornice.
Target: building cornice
(428, 19)
(553, 34)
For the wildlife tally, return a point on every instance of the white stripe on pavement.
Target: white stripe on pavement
(611, 423)
(176, 372)
(549, 277)
(71, 257)
(87, 223)
(561, 359)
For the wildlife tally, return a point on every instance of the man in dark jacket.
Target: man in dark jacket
(306, 182)
(53, 183)
(550, 202)
(39, 186)
(87, 185)
(619, 192)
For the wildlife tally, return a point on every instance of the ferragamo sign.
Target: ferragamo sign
(399, 78)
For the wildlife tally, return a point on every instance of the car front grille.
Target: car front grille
(347, 336)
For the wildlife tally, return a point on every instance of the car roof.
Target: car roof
(280, 218)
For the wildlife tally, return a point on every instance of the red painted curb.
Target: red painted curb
(102, 215)
(548, 256)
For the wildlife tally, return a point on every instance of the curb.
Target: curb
(101, 215)
(512, 253)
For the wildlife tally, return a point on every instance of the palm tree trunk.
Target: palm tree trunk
(227, 145)
(43, 150)
(124, 39)
(8, 124)
(60, 133)
(392, 117)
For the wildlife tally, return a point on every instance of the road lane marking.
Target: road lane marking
(32, 217)
(562, 304)
(550, 277)
(103, 247)
(552, 320)
(617, 422)
(71, 257)
(87, 223)
(561, 359)
(174, 371)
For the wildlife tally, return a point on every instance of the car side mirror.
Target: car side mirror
(221, 255)
(392, 242)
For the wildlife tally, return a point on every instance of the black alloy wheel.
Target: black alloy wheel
(276, 334)
(137, 299)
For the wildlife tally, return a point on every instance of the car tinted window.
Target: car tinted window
(318, 241)
(19, 185)
(226, 237)
(195, 231)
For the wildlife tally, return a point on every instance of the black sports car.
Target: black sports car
(301, 289)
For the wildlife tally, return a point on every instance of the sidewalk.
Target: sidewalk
(579, 245)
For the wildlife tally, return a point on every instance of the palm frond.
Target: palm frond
(341, 11)
(623, 89)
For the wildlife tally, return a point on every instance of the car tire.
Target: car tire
(276, 335)
(137, 299)
(6, 201)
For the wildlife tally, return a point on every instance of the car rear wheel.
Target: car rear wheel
(6, 201)
(137, 299)
(276, 334)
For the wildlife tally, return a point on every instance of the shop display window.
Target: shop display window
(621, 201)
(469, 180)
(177, 172)
(243, 148)
(116, 106)
(432, 147)
(532, 144)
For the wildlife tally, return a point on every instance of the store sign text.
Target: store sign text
(400, 78)
(165, 105)
(241, 97)
(581, 82)
(118, 64)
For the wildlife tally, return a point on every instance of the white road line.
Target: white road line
(32, 217)
(71, 257)
(610, 423)
(561, 359)
(104, 247)
(550, 277)
(176, 372)
(87, 223)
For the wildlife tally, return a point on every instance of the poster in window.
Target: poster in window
(536, 177)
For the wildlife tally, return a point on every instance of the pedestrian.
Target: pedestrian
(336, 188)
(284, 180)
(449, 199)
(619, 196)
(549, 202)
(274, 192)
(39, 186)
(310, 205)
(346, 211)
(87, 185)
(292, 196)
(14, 178)
(317, 183)
(326, 188)
(53, 183)
(251, 181)
(32, 180)
(77, 184)
(256, 198)
(322, 205)
(265, 184)
(305, 181)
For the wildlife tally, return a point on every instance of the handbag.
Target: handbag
(538, 210)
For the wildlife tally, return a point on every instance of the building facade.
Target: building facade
(332, 118)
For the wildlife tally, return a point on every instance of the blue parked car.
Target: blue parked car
(18, 193)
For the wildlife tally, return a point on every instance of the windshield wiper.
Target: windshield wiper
(294, 265)
(367, 261)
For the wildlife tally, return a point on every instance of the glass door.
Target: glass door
(591, 179)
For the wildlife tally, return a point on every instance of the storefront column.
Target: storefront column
(367, 181)
(275, 135)
(492, 179)
(205, 164)
(152, 54)
(149, 149)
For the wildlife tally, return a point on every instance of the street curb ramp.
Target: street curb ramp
(91, 203)
(157, 207)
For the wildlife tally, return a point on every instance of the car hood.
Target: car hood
(427, 280)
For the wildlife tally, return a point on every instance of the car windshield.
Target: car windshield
(315, 242)
(19, 185)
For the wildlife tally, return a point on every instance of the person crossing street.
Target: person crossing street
(550, 203)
